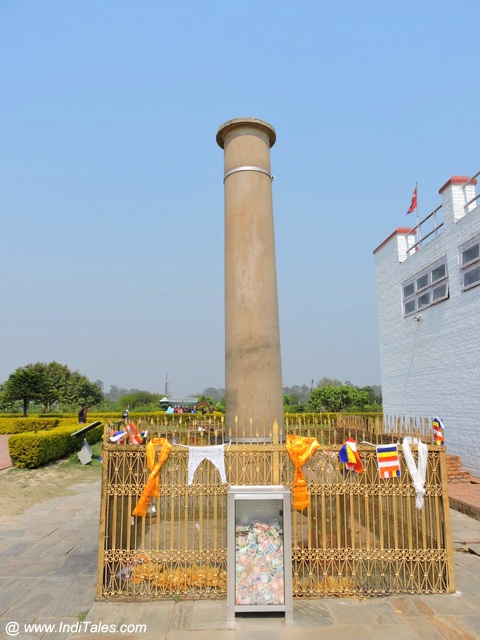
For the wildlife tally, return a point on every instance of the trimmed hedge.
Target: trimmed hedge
(31, 450)
(22, 425)
(10, 425)
(16, 424)
(325, 416)
(160, 417)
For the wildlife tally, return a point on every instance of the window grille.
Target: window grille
(470, 264)
(426, 288)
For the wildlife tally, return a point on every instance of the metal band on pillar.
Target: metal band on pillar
(248, 168)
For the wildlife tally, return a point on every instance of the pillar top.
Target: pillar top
(241, 122)
(457, 180)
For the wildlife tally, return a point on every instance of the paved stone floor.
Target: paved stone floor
(48, 574)
(5, 461)
(465, 497)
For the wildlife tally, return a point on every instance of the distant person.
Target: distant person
(169, 410)
(82, 414)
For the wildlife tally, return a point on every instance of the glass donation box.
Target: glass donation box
(259, 550)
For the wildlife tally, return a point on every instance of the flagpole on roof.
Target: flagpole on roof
(414, 202)
(419, 237)
(416, 207)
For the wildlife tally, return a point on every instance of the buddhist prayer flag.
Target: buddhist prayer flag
(388, 462)
(133, 436)
(438, 429)
(348, 454)
(413, 204)
(118, 437)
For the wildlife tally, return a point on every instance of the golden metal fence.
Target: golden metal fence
(361, 535)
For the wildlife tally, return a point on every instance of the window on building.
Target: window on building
(470, 264)
(425, 288)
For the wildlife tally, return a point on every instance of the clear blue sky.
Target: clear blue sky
(111, 192)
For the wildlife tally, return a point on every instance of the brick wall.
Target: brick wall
(455, 472)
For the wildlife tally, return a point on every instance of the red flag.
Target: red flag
(413, 204)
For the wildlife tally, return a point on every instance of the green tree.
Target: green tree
(298, 395)
(292, 404)
(287, 401)
(57, 376)
(206, 400)
(26, 384)
(63, 385)
(374, 395)
(333, 398)
(213, 393)
(81, 390)
(331, 382)
(220, 406)
(139, 398)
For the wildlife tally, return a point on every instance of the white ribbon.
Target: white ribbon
(418, 474)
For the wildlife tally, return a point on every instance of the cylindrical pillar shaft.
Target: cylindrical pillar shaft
(253, 375)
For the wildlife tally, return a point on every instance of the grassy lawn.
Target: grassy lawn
(21, 489)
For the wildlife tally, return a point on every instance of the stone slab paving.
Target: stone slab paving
(5, 461)
(465, 497)
(48, 566)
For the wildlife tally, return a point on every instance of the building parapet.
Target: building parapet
(458, 199)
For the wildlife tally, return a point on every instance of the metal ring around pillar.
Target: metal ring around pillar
(248, 168)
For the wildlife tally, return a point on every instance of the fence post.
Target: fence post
(102, 527)
(446, 522)
(275, 454)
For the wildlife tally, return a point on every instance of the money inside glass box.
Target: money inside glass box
(259, 553)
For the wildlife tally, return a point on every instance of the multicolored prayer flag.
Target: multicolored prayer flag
(118, 437)
(133, 436)
(388, 462)
(348, 454)
(438, 429)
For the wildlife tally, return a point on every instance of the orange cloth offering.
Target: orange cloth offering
(300, 450)
(152, 488)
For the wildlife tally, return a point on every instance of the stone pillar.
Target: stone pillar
(253, 375)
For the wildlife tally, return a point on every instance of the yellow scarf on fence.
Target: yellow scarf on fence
(152, 487)
(300, 450)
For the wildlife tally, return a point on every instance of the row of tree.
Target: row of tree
(48, 384)
(332, 395)
(53, 384)
(327, 395)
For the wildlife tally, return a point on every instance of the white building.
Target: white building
(428, 296)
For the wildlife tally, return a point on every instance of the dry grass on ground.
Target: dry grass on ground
(21, 489)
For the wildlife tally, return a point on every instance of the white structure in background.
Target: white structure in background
(428, 296)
